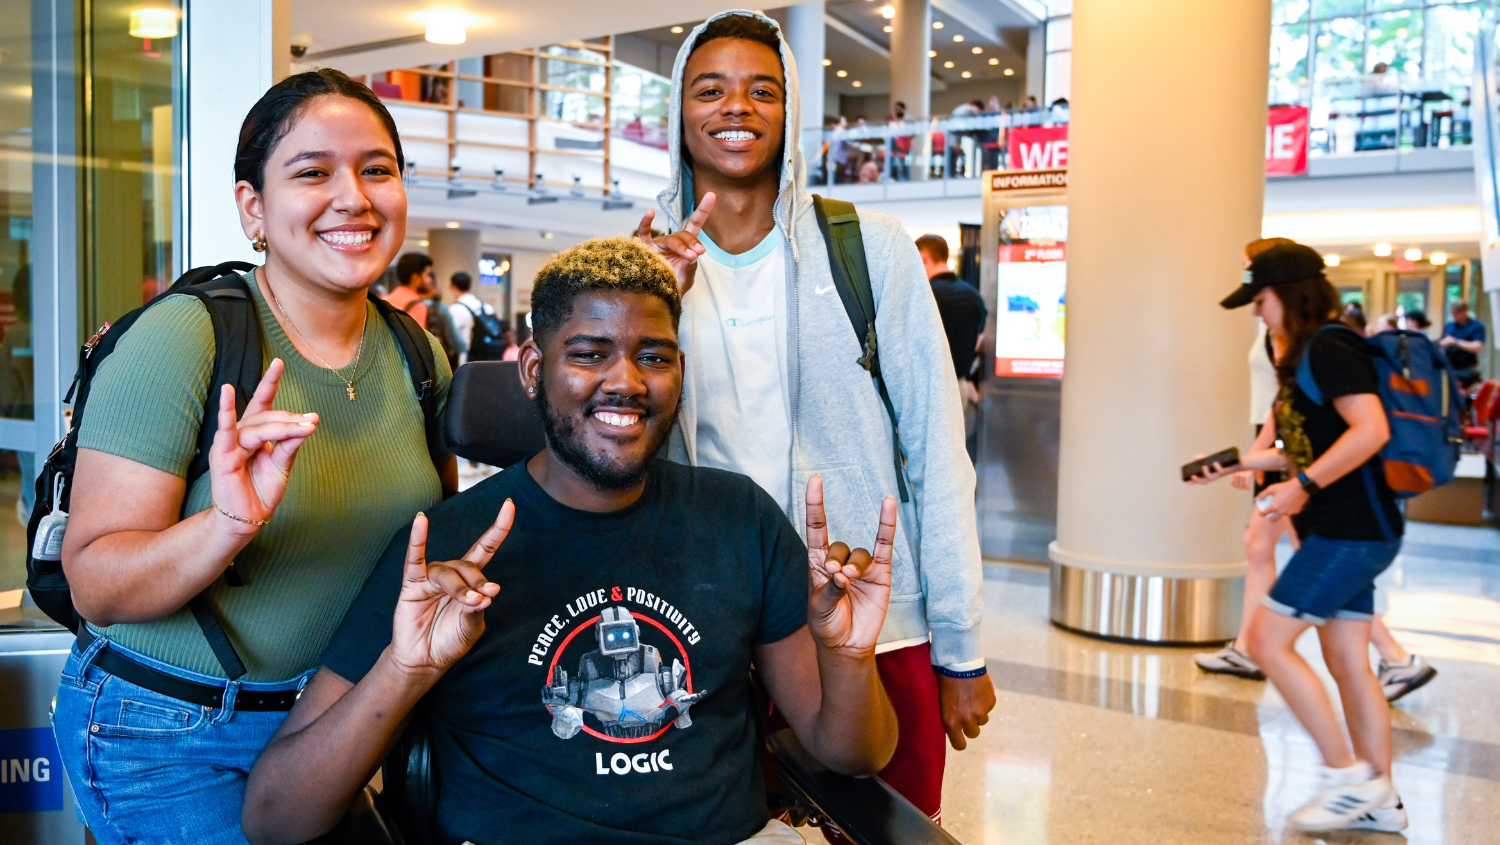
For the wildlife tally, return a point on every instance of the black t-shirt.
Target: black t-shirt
(963, 311)
(566, 722)
(1341, 366)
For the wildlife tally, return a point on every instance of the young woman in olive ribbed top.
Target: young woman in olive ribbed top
(302, 494)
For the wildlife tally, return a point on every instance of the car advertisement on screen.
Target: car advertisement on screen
(1030, 326)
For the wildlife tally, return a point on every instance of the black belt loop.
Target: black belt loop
(182, 689)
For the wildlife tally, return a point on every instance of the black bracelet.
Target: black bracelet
(1308, 484)
(965, 675)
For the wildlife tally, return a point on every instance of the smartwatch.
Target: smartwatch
(1308, 484)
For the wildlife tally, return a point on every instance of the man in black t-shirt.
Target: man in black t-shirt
(602, 695)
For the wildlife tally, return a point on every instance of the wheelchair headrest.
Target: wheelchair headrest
(490, 419)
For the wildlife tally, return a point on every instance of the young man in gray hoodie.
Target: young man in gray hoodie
(775, 390)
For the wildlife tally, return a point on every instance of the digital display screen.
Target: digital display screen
(1032, 291)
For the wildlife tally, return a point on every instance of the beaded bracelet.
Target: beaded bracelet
(237, 518)
(971, 673)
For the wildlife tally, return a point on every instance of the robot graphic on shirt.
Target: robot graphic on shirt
(622, 683)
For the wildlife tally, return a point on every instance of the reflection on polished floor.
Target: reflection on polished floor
(1095, 741)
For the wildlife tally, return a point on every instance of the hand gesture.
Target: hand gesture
(680, 249)
(251, 458)
(440, 613)
(850, 590)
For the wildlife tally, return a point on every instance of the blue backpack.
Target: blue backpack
(1421, 397)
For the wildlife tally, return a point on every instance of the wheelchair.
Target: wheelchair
(489, 419)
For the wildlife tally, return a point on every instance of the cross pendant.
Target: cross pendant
(352, 397)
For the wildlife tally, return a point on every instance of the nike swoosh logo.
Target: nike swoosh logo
(821, 291)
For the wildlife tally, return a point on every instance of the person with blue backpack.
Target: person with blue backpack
(1341, 400)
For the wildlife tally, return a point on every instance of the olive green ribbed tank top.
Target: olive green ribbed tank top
(357, 481)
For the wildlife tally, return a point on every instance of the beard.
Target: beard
(599, 469)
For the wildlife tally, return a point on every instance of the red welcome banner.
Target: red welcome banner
(1037, 148)
(1046, 147)
(1286, 141)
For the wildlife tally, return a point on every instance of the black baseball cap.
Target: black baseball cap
(1282, 264)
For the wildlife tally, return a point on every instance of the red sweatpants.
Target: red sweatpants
(916, 770)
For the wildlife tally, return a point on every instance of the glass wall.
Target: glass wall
(89, 210)
(1376, 74)
(16, 359)
(130, 132)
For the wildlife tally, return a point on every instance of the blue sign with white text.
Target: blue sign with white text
(31, 775)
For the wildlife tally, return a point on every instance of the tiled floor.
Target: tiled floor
(1100, 742)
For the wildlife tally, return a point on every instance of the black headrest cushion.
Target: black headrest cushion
(489, 418)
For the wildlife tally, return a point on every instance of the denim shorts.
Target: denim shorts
(149, 768)
(1332, 579)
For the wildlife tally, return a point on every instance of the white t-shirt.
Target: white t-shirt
(734, 329)
(1263, 382)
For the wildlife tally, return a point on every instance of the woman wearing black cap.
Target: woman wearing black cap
(1350, 528)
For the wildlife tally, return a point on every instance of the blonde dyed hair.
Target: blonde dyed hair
(616, 264)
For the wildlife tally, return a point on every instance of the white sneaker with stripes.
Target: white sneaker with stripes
(1388, 819)
(1346, 795)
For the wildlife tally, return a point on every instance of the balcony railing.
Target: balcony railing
(954, 147)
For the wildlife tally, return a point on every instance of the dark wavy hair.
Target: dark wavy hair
(274, 114)
(1307, 306)
(740, 26)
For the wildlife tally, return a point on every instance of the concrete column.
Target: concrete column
(1036, 63)
(253, 37)
(1161, 207)
(911, 67)
(453, 250)
(806, 35)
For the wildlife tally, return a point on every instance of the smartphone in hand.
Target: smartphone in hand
(1227, 458)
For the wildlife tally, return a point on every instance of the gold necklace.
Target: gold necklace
(362, 332)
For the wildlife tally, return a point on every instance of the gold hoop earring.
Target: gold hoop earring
(258, 243)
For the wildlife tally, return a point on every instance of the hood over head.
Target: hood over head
(677, 200)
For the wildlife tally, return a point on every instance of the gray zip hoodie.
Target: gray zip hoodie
(840, 429)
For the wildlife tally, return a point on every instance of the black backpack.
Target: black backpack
(839, 223)
(487, 342)
(237, 362)
(440, 327)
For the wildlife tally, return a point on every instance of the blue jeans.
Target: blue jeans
(151, 769)
(1332, 579)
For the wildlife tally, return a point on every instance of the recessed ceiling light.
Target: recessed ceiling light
(886, 28)
(827, 62)
(1010, 71)
(958, 39)
(947, 64)
(1413, 254)
(547, 236)
(887, 12)
(856, 83)
(976, 50)
(1438, 258)
(1332, 259)
(931, 54)
(446, 26)
(937, 24)
(676, 30)
(841, 74)
(451, 224)
(966, 74)
(994, 61)
(153, 23)
(423, 243)
(1382, 250)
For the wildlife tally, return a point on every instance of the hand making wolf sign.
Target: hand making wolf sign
(440, 614)
(680, 249)
(850, 590)
(251, 457)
